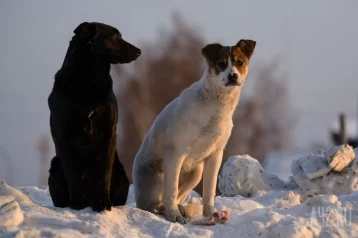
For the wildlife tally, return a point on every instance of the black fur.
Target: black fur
(86, 170)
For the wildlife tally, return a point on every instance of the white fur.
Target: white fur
(186, 140)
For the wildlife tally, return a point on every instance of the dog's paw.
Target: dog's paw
(183, 211)
(174, 215)
(101, 205)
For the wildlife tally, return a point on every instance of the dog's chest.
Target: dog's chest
(208, 143)
(213, 136)
(95, 119)
(102, 115)
(92, 123)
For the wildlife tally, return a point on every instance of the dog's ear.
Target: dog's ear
(212, 51)
(247, 47)
(86, 31)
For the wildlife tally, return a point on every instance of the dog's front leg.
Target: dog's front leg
(210, 175)
(102, 190)
(172, 167)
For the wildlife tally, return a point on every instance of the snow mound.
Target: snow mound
(331, 172)
(267, 214)
(341, 183)
(262, 206)
(10, 213)
(325, 172)
(244, 175)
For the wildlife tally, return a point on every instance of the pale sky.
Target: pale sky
(317, 38)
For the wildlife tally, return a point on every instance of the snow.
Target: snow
(244, 175)
(282, 209)
(326, 172)
(10, 212)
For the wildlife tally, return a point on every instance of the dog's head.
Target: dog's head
(106, 42)
(227, 65)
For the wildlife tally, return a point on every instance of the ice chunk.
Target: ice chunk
(340, 157)
(316, 166)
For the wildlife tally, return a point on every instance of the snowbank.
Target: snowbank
(267, 214)
(274, 209)
(325, 172)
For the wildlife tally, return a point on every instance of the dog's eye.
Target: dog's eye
(239, 62)
(221, 64)
(115, 37)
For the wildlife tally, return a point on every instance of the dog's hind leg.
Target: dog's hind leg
(119, 183)
(188, 181)
(58, 185)
(148, 190)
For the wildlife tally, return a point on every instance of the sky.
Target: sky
(316, 39)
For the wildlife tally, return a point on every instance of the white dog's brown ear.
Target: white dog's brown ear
(212, 51)
(247, 47)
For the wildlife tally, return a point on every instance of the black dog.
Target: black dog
(86, 170)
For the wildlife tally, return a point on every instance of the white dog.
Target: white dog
(187, 139)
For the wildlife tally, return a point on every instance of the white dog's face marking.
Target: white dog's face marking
(231, 75)
(228, 66)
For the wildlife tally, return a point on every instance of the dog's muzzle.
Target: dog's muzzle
(233, 80)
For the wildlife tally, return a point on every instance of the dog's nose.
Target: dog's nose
(233, 77)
